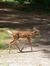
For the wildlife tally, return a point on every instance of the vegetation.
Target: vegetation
(4, 37)
(29, 5)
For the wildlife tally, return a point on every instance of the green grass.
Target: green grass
(26, 2)
(4, 38)
(2, 46)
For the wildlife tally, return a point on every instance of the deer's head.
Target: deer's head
(36, 31)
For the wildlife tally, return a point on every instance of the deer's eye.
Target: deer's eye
(35, 31)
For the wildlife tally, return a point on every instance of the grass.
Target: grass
(2, 46)
(4, 38)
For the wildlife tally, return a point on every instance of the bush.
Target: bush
(41, 4)
(21, 1)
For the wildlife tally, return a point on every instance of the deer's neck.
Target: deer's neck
(33, 33)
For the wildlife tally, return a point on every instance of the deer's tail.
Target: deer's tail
(10, 32)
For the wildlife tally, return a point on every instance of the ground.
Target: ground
(21, 21)
(36, 58)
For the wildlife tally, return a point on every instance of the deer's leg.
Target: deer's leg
(23, 46)
(10, 45)
(17, 46)
(30, 43)
(14, 41)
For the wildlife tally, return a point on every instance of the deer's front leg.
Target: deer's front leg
(30, 43)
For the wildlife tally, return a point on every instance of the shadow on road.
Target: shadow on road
(20, 20)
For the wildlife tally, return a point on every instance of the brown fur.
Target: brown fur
(27, 35)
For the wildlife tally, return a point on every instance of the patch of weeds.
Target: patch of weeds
(4, 35)
(3, 46)
(16, 2)
(26, 2)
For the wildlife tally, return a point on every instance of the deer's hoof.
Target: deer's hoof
(20, 50)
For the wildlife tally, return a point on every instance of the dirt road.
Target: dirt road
(39, 57)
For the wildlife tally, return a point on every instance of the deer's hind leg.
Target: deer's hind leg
(17, 46)
(23, 46)
(10, 45)
(14, 41)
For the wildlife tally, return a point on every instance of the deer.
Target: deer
(26, 34)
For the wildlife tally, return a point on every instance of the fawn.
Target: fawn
(27, 34)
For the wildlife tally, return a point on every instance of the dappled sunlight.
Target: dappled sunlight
(36, 18)
(18, 21)
(4, 9)
(15, 20)
(23, 17)
(3, 21)
(6, 17)
(9, 22)
(10, 18)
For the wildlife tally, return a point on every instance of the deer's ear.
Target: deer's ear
(35, 32)
(34, 28)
